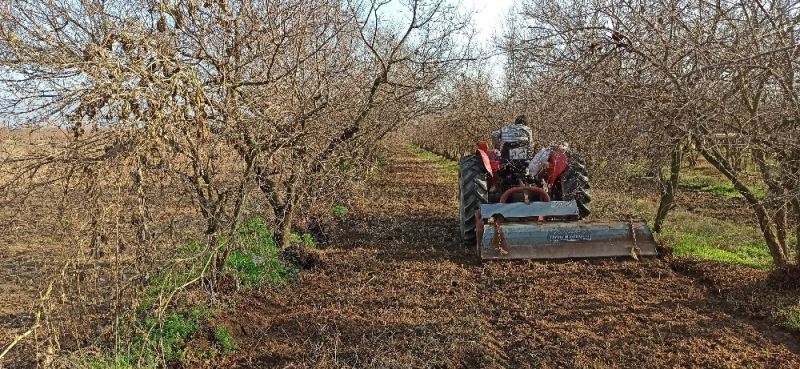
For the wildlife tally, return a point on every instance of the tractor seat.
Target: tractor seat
(519, 150)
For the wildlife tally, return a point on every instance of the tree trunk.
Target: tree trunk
(781, 227)
(285, 227)
(766, 229)
(668, 188)
(777, 194)
(796, 207)
(717, 159)
(284, 214)
(237, 209)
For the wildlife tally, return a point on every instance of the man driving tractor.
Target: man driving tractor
(515, 143)
(518, 132)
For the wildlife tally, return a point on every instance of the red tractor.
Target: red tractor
(507, 212)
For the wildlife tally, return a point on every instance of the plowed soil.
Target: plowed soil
(397, 290)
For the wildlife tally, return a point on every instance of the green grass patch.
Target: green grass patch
(225, 340)
(446, 166)
(340, 210)
(305, 239)
(191, 259)
(257, 261)
(698, 237)
(163, 328)
(158, 341)
(790, 317)
(163, 336)
(175, 331)
(700, 179)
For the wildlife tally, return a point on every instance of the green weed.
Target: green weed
(191, 259)
(696, 236)
(346, 166)
(340, 211)
(165, 339)
(306, 239)
(790, 317)
(258, 261)
(162, 338)
(175, 331)
(225, 340)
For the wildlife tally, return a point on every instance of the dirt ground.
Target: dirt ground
(32, 250)
(396, 290)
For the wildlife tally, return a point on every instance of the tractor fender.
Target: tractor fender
(557, 164)
(487, 162)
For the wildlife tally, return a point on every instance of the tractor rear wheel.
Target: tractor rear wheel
(472, 192)
(575, 185)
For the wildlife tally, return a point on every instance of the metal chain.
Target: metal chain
(499, 239)
(635, 249)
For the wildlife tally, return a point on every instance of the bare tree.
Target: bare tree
(671, 76)
(177, 102)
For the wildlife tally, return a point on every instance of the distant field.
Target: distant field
(30, 134)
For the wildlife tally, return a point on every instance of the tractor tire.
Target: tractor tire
(575, 185)
(472, 192)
